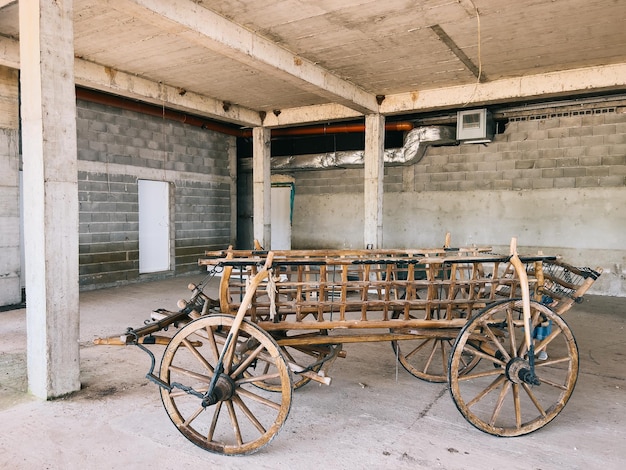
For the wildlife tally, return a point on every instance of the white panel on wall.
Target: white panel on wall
(154, 226)
(281, 217)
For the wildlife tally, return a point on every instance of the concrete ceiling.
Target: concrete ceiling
(288, 62)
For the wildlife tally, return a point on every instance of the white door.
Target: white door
(281, 217)
(154, 226)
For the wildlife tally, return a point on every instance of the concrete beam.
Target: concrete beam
(218, 34)
(99, 77)
(545, 85)
(373, 184)
(106, 79)
(310, 115)
(548, 85)
(9, 52)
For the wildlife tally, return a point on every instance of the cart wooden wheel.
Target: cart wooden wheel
(308, 357)
(426, 357)
(499, 396)
(237, 417)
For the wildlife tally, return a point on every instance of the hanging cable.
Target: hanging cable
(480, 62)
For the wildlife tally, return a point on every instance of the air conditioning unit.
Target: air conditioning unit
(474, 126)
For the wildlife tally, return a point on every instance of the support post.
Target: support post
(232, 173)
(51, 196)
(373, 174)
(261, 185)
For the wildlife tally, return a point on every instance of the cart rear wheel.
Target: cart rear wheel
(307, 357)
(240, 418)
(427, 357)
(498, 396)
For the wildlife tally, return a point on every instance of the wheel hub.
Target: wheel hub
(519, 371)
(224, 390)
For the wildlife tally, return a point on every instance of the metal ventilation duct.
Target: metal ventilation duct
(415, 144)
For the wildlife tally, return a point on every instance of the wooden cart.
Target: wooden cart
(490, 325)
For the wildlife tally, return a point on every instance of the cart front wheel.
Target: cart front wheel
(237, 417)
(499, 396)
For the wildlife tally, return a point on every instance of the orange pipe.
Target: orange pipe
(153, 110)
(165, 113)
(332, 129)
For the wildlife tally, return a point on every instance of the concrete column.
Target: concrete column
(232, 172)
(261, 185)
(50, 197)
(374, 173)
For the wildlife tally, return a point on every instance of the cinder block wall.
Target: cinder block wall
(10, 266)
(584, 151)
(116, 148)
(558, 183)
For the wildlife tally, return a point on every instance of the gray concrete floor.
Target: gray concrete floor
(374, 415)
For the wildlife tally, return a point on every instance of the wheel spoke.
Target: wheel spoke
(444, 356)
(552, 362)
(258, 398)
(543, 344)
(498, 408)
(479, 375)
(246, 411)
(552, 384)
(511, 327)
(534, 399)
(483, 355)
(212, 342)
(418, 347)
(517, 406)
(198, 355)
(234, 422)
(193, 416)
(495, 384)
(189, 373)
(257, 378)
(249, 359)
(491, 335)
(216, 415)
(430, 356)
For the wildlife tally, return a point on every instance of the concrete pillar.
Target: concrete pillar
(50, 197)
(261, 185)
(232, 172)
(374, 173)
